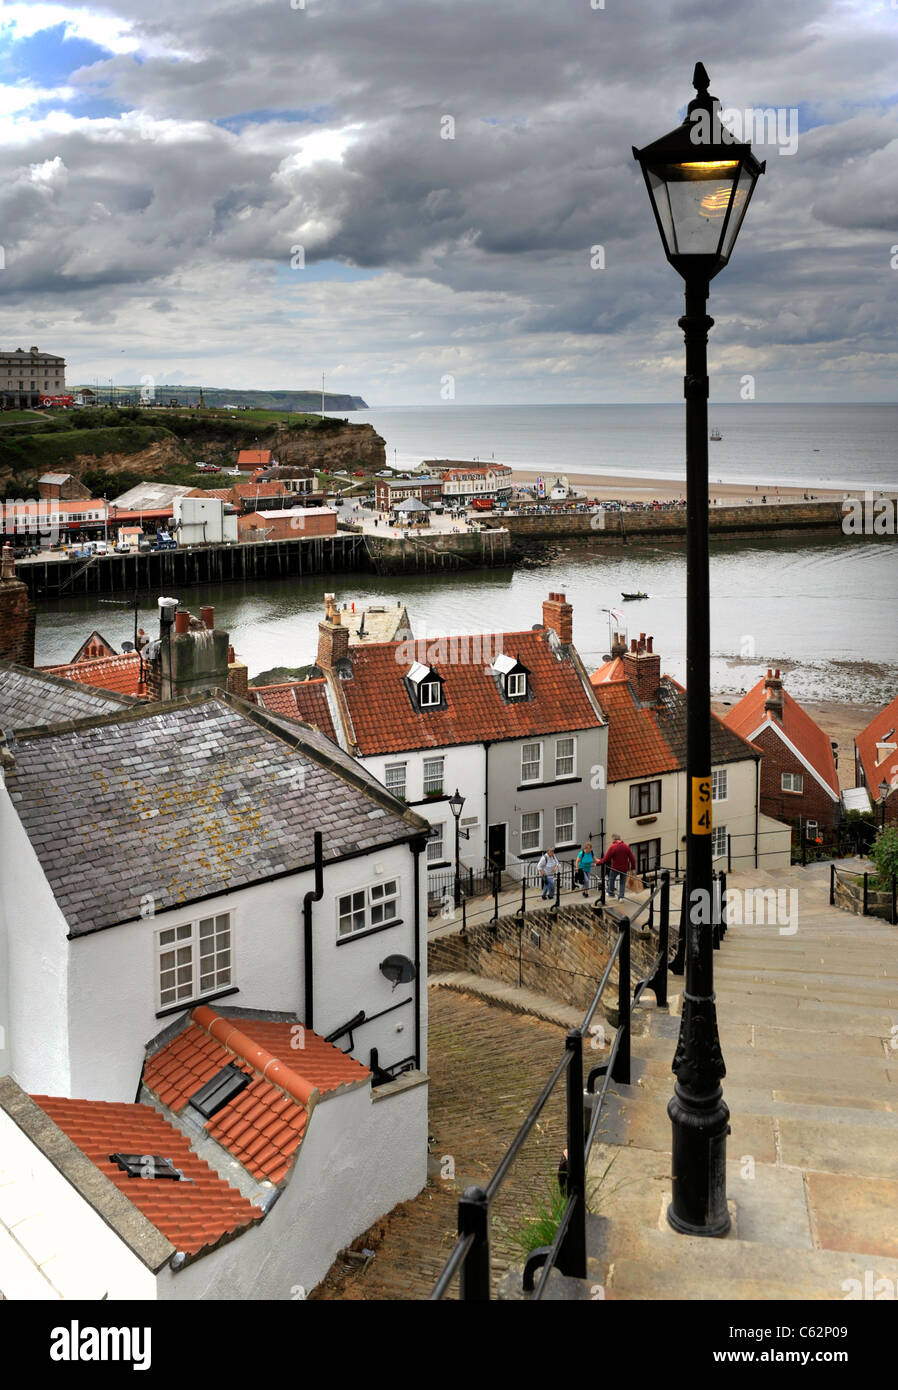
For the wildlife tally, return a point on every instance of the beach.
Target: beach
(608, 487)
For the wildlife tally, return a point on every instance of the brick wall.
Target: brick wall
(17, 619)
(567, 964)
(812, 804)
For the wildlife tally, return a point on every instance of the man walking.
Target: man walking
(620, 861)
(548, 867)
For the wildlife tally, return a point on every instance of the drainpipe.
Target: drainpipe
(313, 896)
(486, 802)
(416, 846)
(757, 805)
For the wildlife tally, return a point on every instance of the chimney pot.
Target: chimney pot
(648, 643)
(182, 621)
(207, 615)
(632, 644)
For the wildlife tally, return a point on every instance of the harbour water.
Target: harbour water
(822, 610)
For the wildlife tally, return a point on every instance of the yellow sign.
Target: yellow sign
(701, 805)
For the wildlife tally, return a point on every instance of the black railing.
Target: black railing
(470, 1257)
(835, 874)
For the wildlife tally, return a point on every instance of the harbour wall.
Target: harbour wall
(758, 520)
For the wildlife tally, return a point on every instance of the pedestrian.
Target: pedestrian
(142, 639)
(620, 861)
(548, 867)
(585, 861)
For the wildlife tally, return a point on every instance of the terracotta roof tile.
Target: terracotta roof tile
(196, 1213)
(385, 719)
(306, 700)
(118, 673)
(798, 726)
(881, 729)
(264, 1124)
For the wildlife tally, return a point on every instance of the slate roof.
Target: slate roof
(120, 672)
(800, 729)
(385, 719)
(56, 477)
(196, 1213)
(29, 698)
(186, 800)
(881, 729)
(263, 1126)
(305, 700)
(648, 740)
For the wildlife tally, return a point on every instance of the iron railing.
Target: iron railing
(469, 1260)
(836, 874)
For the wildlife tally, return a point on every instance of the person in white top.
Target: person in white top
(548, 867)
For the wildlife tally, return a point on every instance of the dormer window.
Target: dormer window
(425, 686)
(512, 675)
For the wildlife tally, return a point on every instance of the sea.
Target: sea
(823, 609)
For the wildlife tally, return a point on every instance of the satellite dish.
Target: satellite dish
(399, 969)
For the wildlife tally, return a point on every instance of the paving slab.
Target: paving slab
(851, 1213)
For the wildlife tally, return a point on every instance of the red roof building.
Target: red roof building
(876, 759)
(196, 1212)
(799, 782)
(249, 459)
(122, 673)
(304, 700)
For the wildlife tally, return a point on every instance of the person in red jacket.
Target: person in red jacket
(620, 861)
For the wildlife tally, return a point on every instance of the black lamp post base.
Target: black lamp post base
(698, 1163)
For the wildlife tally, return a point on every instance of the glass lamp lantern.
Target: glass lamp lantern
(700, 181)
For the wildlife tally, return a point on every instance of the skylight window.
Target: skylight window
(146, 1166)
(219, 1091)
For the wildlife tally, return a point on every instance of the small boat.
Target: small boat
(716, 436)
(629, 596)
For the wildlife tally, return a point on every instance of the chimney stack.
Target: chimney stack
(618, 645)
(643, 667)
(333, 637)
(773, 695)
(17, 614)
(190, 657)
(559, 616)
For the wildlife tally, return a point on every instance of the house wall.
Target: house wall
(360, 1156)
(97, 1263)
(737, 813)
(33, 984)
(463, 769)
(509, 800)
(813, 803)
(109, 990)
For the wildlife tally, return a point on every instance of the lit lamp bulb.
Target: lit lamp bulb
(714, 204)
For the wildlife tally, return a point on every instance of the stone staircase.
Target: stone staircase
(809, 1031)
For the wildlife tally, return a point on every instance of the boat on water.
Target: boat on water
(631, 596)
(716, 436)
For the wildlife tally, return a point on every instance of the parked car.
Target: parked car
(165, 542)
(208, 468)
(122, 548)
(100, 547)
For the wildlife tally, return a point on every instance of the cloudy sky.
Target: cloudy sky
(251, 192)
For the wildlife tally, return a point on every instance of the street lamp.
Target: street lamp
(700, 181)
(884, 790)
(456, 802)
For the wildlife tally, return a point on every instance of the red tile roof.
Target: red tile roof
(305, 700)
(385, 720)
(800, 729)
(613, 670)
(195, 1213)
(264, 1125)
(250, 491)
(254, 456)
(883, 724)
(222, 493)
(118, 673)
(636, 746)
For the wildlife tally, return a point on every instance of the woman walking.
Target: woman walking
(585, 861)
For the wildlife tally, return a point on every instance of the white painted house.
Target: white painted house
(168, 868)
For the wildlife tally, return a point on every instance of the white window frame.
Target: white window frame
(719, 775)
(560, 839)
(572, 756)
(396, 767)
(427, 688)
(718, 842)
(373, 897)
(516, 685)
(435, 850)
(442, 779)
(792, 778)
(188, 941)
(526, 815)
(530, 761)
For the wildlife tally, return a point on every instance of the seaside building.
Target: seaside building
(286, 524)
(250, 459)
(508, 719)
(61, 485)
(26, 376)
(876, 762)
(462, 485)
(390, 492)
(646, 715)
(799, 781)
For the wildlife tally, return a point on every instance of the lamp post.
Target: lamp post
(456, 802)
(700, 181)
(884, 790)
